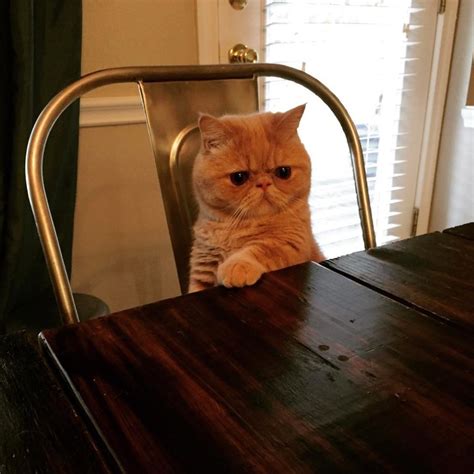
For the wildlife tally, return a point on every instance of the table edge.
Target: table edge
(75, 398)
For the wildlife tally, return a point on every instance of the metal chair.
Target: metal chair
(159, 86)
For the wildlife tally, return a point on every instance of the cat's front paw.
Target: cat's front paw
(238, 273)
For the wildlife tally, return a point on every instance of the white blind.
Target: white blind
(375, 55)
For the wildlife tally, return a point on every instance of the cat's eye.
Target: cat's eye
(239, 177)
(283, 172)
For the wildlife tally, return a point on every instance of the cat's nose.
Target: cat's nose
(263, 183)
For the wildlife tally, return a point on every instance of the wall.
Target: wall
(453, 198)
(122, 252)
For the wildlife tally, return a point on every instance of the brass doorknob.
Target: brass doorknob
(241, 53)
(238, 4)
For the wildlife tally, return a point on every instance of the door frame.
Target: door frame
(207, 21)
(437, 95)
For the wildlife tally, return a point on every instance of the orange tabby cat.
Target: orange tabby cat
(252, 180)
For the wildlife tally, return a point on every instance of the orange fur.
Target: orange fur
(245, 230)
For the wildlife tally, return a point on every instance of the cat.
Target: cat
(251, 179)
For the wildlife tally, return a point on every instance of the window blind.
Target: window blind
(375, 55)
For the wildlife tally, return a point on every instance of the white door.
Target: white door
(381, 58)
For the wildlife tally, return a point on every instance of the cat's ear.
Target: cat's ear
(214, 133)
(287, 123)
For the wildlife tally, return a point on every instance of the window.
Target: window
(375, 55)
(388, 61)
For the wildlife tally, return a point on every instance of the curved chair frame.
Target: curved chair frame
(49, 115)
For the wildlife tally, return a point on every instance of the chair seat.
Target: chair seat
(89, 306)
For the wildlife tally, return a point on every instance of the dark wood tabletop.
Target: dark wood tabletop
(465, 230)
(433, 273)
(307, 371)
(40, 431)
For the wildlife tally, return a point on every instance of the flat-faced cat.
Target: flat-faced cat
(251, 179)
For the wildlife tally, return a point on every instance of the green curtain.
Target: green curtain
(40, 52)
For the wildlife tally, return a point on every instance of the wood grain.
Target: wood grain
(305, 372)
(39, 430)
(433, 273)
(466, 231)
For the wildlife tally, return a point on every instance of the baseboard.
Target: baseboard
(107, 111)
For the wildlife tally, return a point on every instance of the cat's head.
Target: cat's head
(251, 165)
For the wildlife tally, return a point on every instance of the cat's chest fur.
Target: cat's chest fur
(221, 239)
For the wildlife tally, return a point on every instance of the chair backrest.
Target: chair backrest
(172, 110)
(166, 74)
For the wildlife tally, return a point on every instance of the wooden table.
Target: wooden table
(433, 273)
(314, 369)
(40, 430)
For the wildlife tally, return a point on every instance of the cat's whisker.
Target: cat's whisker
(289, 206)
(236, 218)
